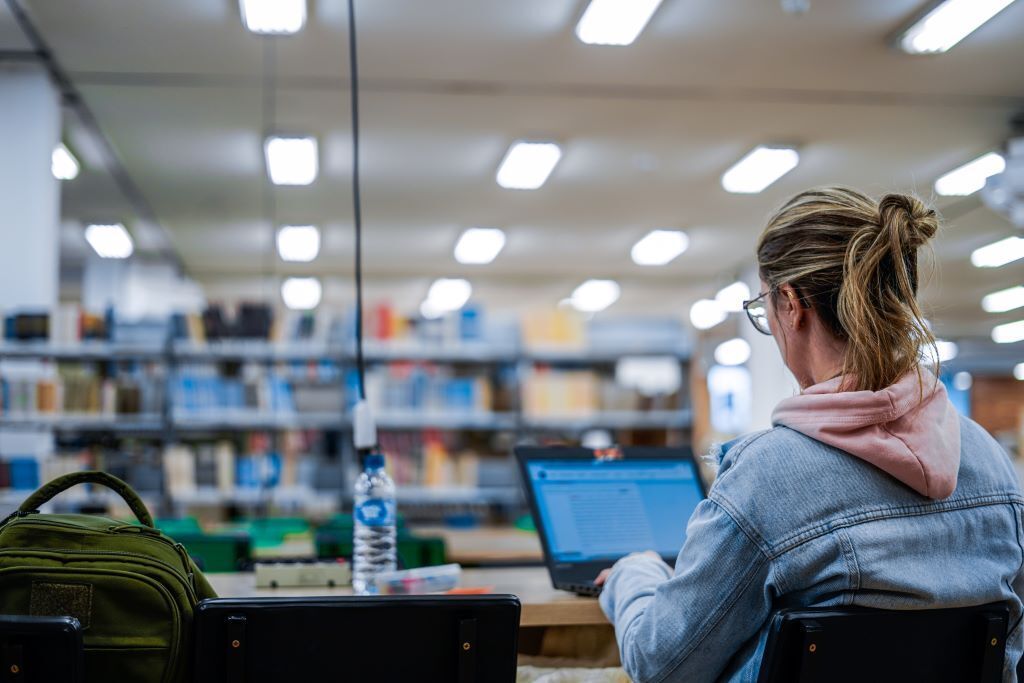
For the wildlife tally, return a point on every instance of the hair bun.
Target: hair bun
(907, 215)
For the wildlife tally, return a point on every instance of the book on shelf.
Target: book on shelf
(422, 388)
(200, 388)
(45, 388)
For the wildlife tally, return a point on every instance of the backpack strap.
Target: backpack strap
(51, 489)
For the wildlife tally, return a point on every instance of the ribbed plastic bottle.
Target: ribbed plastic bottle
(374, 545)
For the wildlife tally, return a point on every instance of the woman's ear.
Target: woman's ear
(788, 308)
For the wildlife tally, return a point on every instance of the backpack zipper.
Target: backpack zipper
(190, 589)
(178, 548)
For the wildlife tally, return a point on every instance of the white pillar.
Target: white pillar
(771, 381)
(30, 125)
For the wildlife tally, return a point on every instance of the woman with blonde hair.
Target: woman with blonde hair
(869, 489)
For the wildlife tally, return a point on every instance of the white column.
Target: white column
(30, 125)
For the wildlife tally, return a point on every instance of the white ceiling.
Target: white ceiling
(447, 85)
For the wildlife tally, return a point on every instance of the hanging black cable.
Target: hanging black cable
(353, 68)
(268, 199)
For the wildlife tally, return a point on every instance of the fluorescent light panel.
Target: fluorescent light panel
(291, 160)
(479, 246)
(949, 23)
(595, 295)
(731, 298)
(707, 313)
(273, 16)
(999, 253)
(298, 243)
(947, 350)
(63, 163)
(1004, 300)
(615, 22)
(1008, 333)
(301, 293)
(759, 169)
(970, 177)
(733, 352)
(527, 165)
(447, 294)
(660, 247)
(109, 240)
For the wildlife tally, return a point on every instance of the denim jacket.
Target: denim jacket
(790, 521)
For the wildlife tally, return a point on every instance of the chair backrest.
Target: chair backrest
(457, 638)
(40, 649)
(861, 644)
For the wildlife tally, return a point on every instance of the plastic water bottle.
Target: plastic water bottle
(374, 516)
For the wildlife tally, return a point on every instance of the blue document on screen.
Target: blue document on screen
(595, 510)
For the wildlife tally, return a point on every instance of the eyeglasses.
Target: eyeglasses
(757, 311)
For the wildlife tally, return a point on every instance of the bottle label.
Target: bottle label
(376, 512)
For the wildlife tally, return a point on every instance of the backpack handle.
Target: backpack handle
(63, 483)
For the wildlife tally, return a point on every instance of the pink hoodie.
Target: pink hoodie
(916, 442)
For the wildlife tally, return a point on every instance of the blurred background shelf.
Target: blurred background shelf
(87, 350)
(612, 419)
(264, 424)
(250, 420)
(134, 423)
(477, 421)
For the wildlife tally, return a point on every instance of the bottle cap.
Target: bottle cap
(375, 461)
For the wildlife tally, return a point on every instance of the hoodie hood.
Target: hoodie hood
(916, 441)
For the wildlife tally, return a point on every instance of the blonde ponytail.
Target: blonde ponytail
(855, 262)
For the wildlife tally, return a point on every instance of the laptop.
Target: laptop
(593, 507)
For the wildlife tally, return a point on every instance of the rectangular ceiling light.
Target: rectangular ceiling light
(615, 22)
(110, 241)
(660, 247)
(301, 293)
(595, 295)
(948, 23)
(759, 169)
(448, 294)
(291, 161)
(1008, 333)
(298, 243)
(970, 177)
(998, 253)
(527, 165)
(1004, 300)
(479, 246)
(731, 297)
(63, 163)
(273, 16)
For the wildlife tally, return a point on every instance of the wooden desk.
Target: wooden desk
(542, 604)
(486, 545)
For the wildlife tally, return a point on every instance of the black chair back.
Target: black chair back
(860, 644)
(40, 649)
(457, 638)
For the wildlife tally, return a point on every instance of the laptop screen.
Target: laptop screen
(598, 510)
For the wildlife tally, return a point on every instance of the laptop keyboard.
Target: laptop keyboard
(588, 589)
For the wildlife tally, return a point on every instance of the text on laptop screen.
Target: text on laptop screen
(593, 510)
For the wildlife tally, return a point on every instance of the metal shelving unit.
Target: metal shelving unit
(174, 424)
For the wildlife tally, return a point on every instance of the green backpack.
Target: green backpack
(133, 589)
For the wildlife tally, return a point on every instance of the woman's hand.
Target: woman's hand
(602, 578)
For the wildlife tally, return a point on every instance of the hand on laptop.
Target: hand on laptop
(603, 576)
